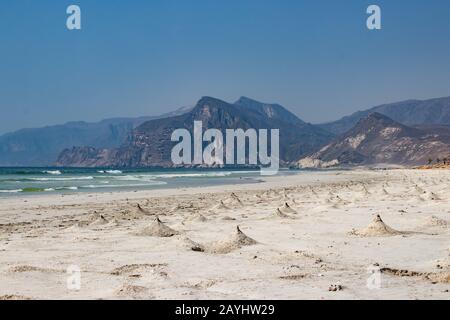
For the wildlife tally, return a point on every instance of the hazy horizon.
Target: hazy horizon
(140, 58)
(169, 110)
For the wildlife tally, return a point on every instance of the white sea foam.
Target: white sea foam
(67, 188)
(11, 191)
(95, 186)
(135, 178)
(194, 175)
(63, 179)
(113, 171)
(55, 172)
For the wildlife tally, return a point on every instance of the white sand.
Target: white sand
(320, 246)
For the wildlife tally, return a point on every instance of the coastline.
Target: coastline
(299, 254)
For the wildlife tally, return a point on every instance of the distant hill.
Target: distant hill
(410, 113)
(377, 139)
(150, 144)
(41, 146)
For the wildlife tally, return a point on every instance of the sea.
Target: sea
(31, 181)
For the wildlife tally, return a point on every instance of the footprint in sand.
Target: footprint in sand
(130, 269)
(27, 268)
(132, 291)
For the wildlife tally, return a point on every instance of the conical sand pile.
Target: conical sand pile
(376, 229)
(236, 241)
(188, 244)
(287, 209)
(198, 217)
(100, 221)
(365, 191)
(142, 210)
(279, 214)
(234, 199)
(221, 206)
(157, 229)
(93, 220)
(339, 200)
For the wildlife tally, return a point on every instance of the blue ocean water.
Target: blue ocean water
(20, 181)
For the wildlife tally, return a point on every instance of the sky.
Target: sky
(140, 57)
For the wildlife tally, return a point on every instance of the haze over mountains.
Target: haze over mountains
(410, 113)
(377, 139)
(41, 146)
(150, 143)
(418, 127)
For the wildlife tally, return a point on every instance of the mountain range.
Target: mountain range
(150, 143)
(377, 139)
(410, 113)
(396, 133)
(41, 146)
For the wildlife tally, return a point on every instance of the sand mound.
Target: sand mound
(337, 199)
(287, 209)
(100, 221)
(187, 243)
(221, 206)
(142, 210)
(279, 214)
(365, 190)
(234, 200)
(236, 241)
(157, 229)
(76, 227)
(235, 197)
(376, 229)
(198, 217)
(130, 213)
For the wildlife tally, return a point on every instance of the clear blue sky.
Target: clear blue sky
(146, 57)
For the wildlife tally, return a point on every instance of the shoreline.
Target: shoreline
(300, 236)
(120, 195)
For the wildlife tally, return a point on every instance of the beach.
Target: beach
(350, 234)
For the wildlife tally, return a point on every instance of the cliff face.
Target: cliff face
(378, 139)
(150, 143)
